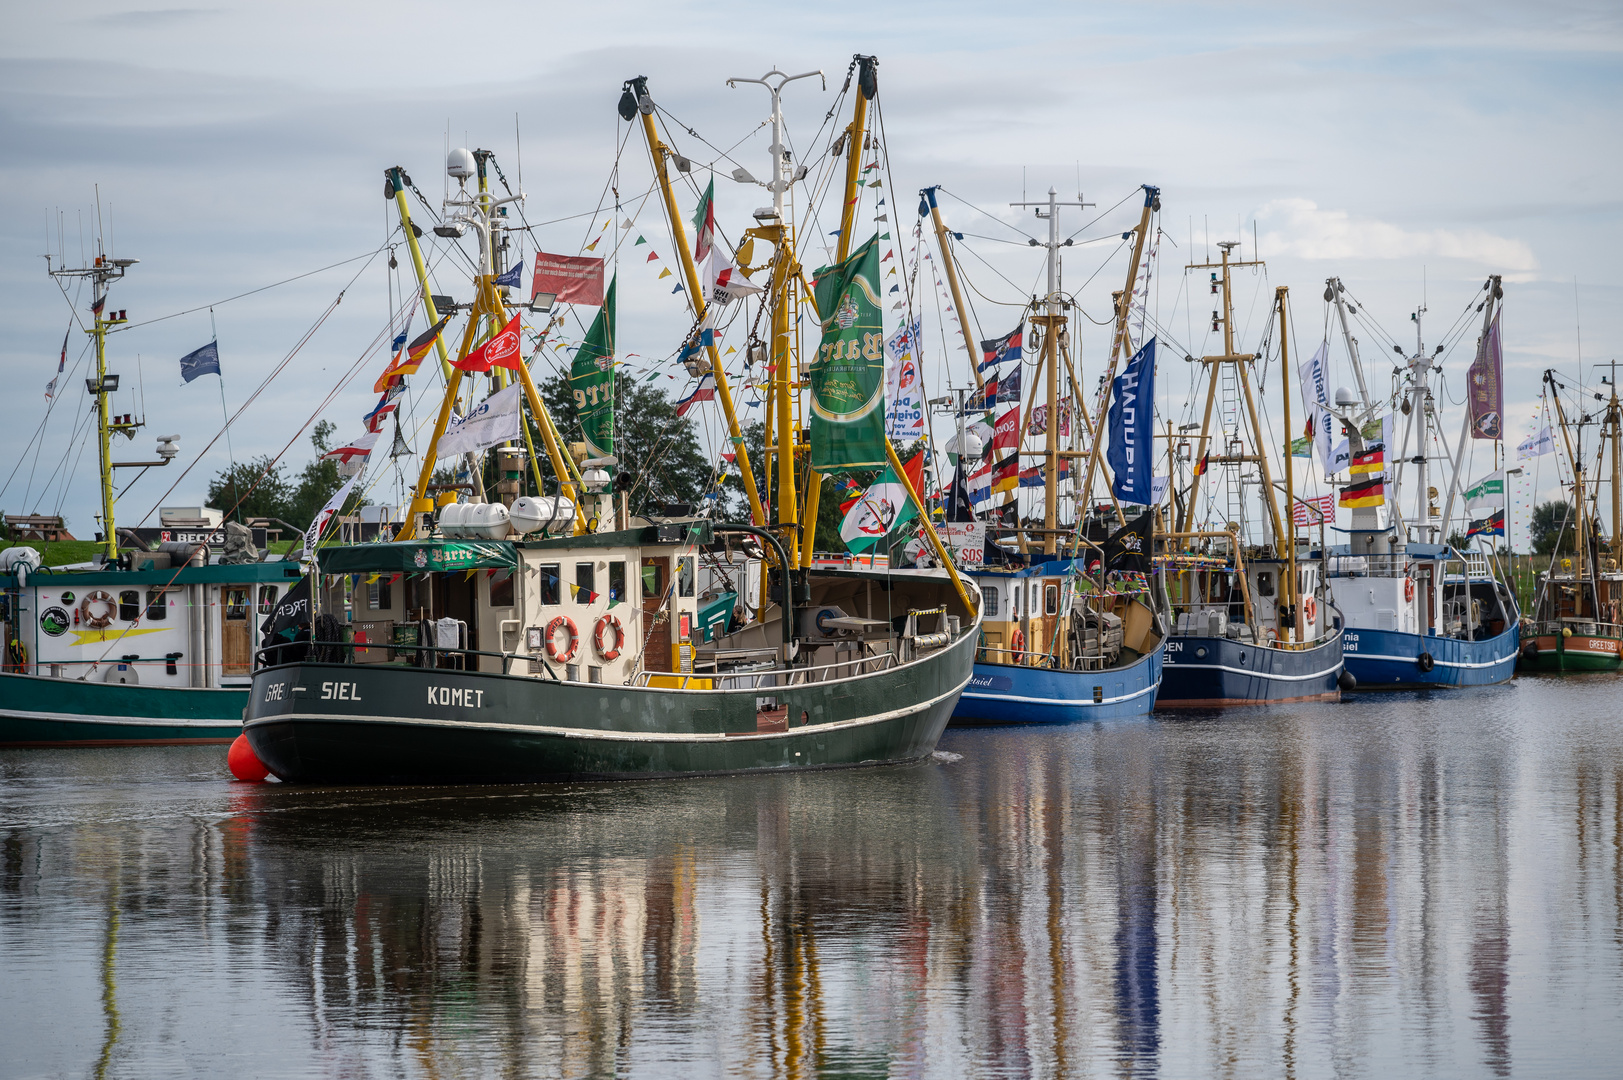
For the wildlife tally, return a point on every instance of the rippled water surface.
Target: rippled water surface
(1409, 885)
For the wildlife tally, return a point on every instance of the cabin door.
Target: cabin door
(656, 621)
(236, 653)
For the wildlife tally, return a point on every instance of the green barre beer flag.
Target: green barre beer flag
(591, 377)
(848, 374)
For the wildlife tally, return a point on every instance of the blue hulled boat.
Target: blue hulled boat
(1054, 651)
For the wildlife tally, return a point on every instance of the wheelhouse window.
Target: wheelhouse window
(501, 589)
(267, 599)
(1265, 583)
(379, 595)
(129, 605)
(989, 600)
(585, 582)
(157, 608)
(684, 576)
(236, 604)
(617, 581)
(550, 582)
(1050, 599)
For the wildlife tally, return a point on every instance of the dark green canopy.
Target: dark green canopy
(418, 556)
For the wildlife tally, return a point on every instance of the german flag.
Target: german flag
(1200, 466)
(1006, 473)
(405, 363)
(1365, 493)
(1372, 460)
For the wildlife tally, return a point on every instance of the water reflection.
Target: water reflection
(1421, 886)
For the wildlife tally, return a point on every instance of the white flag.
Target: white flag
(1536, 445)
(1316, 398)
(1487, 493)
(905, 411)
(313, 533)
(494, 420)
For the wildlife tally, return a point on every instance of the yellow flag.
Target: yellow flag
(593, 245)
(665, 273)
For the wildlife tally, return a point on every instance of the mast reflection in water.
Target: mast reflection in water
(1409, 885)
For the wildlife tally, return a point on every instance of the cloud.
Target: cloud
(1308, 232)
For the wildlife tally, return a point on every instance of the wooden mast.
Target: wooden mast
(950, 264)
(1120, 342)
(1294, 631)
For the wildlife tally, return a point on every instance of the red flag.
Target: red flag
(573, 279)
(500, 351)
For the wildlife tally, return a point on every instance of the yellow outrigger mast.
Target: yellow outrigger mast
(487, 303)
(659, 152)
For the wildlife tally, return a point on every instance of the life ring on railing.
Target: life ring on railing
(619, 637)
(1408, 590)
(98, 596)
(562, 656)
(1017, 644)
(1310, 609)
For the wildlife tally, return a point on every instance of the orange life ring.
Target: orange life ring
(1310, 608)
(619, 637)
(1270, 636)
(98, 596)
(562, 656)
(1408, 590)
(1017, 643)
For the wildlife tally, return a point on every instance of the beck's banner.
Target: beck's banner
(591, 379)
(1485, 381)
(848, 375)
(1132, 429)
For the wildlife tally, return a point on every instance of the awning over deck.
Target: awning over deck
(419, 557)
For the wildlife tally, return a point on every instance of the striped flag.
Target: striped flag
(1314, 511)
(704, 391)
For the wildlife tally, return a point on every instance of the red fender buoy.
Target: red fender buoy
(244, 763)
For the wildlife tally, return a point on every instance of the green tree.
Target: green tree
(262, 486)
(660, 457)
(1553, 522)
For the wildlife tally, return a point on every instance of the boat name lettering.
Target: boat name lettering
(274, 691)
(1349, 642)
(340, 691)
(1174, 646)
(452, 695)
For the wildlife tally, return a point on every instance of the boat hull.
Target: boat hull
(1581, 652)
(1212, 672)
(407, 725)
(1390, 660)
(37, 710)
(1011, 694)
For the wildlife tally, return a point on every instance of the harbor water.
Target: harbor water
(1417, 884)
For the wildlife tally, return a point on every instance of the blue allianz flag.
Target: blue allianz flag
(510, 278)
(1132, 429)
(205, 361)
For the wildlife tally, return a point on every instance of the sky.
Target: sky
(1410, 149)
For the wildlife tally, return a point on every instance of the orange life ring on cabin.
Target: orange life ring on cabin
(1017, 644)
(619, 637)
(1310, 608)
(1270, 636)
(1408, 590)
(562, 656)
(98, 596)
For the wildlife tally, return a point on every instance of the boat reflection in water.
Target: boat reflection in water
(1391, 888)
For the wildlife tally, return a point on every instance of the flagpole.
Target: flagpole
(225, 413)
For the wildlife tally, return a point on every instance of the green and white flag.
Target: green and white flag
(1487, 493)
(704, 224)
(591, 377)
(848, 374)
(883, 509)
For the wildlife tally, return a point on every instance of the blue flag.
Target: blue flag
(510, 277)
(1132, 429)
(205, 361)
